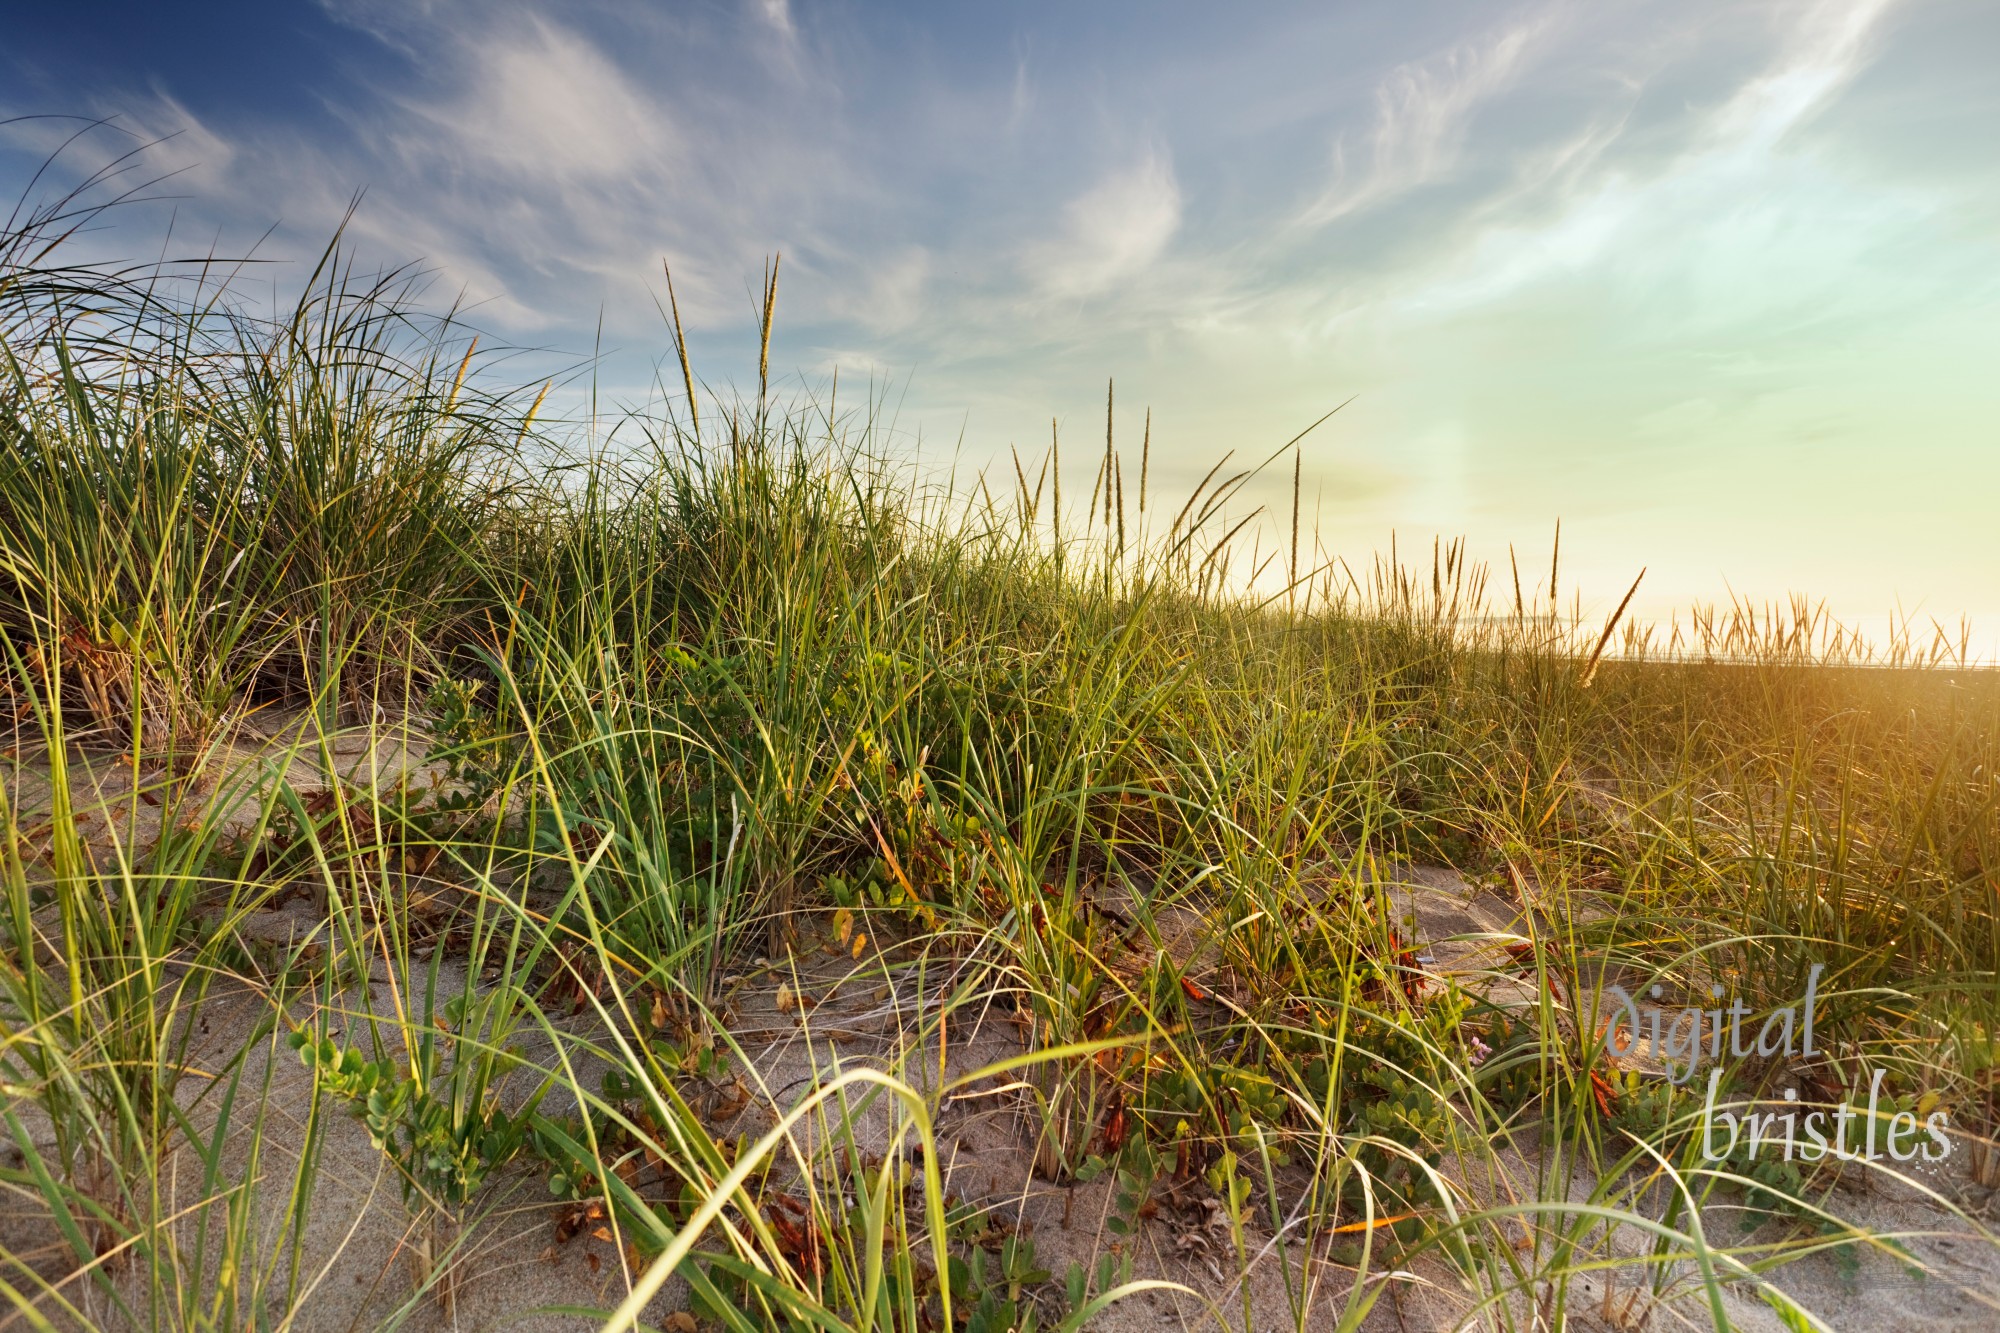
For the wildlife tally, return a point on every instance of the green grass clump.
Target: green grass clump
(738, 696)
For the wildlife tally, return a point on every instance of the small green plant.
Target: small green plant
(439, 1114)
(1001, 1290)
(1139, 1166)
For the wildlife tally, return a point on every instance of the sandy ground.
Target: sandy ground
(361, 1247)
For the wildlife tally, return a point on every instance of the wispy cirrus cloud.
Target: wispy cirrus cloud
(540, 106)
(544, 160)
(1735, 220)
(1830, 42)
(1423, 111)
(1110, 233)
(777, 14)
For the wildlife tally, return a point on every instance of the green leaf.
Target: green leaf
(1790, 1313)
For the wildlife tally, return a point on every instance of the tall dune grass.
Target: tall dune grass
(702, 698)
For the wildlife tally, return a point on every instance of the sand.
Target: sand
(362, 1249)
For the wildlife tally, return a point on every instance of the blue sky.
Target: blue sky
(1716, 284)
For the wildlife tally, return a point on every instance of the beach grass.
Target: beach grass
(739, 696)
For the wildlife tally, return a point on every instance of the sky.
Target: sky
(1715, 284)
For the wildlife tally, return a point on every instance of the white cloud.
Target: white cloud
(1830, 44)
(1736, 225)
(156, 136)
(1423, 110)
(542, 102)
(776, 13)
(1110, 233)
(1022, 100)
(545, 169)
